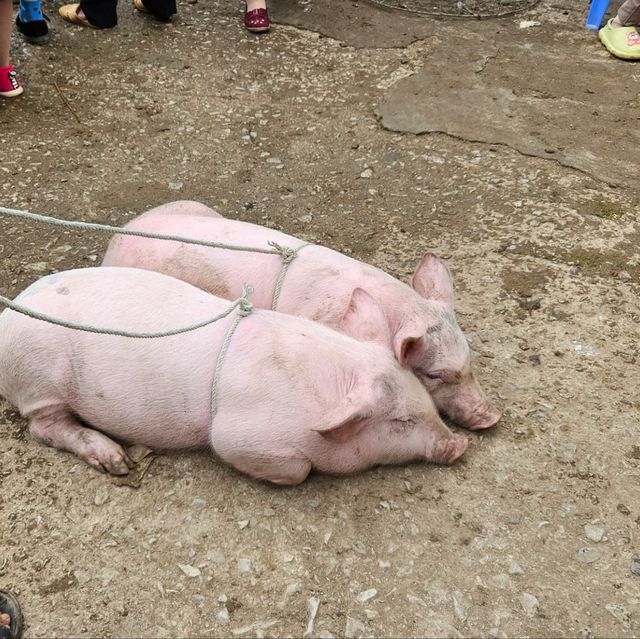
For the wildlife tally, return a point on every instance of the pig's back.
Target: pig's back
(150, 391)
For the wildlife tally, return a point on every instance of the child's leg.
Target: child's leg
(9, 83)
(6, 15)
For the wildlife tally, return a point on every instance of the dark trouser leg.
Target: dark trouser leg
(161, 9)
(629, 13)
(101, 13)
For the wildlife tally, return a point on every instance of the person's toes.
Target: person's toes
(5, 619)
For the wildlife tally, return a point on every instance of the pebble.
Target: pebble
(635, 566)
(243, 524)
(176, 186)
(312, 606)
(529, 603)
(353, 627)
(190, 571)
(217, 556)
(274, 161)
(620, 613)
(223, 616)
(287, 557)
(588, 555)
(244, 565)
(384, 563)
(102, 495)
(82, 576)
(306, 218)
(366, 174)
(198, 503)
(595, 533)
(365, 595)
(461, 606)
(515, 569)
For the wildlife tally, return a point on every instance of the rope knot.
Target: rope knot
(287, 253)
(244, 305)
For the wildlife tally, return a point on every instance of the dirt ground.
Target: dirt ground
(383, 135)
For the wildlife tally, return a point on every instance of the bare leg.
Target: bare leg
(57, 427)
(6, 20)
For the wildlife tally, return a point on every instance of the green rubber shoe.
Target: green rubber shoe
(623, 42)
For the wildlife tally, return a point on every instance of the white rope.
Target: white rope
(245, 309)
(117, 230)
(242, 302)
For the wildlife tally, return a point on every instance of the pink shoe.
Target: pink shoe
(10, 86)
(257, 20)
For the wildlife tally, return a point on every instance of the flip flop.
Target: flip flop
(9, 605)
(140, 7)
(622, 42)
(69, 12)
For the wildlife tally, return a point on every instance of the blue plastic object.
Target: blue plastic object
(596, 12)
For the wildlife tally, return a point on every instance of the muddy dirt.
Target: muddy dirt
(536, 530)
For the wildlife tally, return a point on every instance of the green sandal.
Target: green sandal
(622, 42)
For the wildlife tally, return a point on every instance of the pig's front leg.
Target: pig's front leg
(57, 427)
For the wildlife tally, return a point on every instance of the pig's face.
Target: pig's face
(431, 343)
(393, 417)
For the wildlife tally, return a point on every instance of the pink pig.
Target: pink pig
(319, 284)
(292, 394)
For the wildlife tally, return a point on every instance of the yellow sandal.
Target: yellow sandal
(69, 12)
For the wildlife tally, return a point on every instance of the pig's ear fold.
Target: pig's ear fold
(433, 280)
(365, 320)
(408, 348)
(345, 422)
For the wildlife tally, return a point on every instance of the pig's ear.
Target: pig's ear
(365, 320)
(433, 281)
(408, 348)
(345, 422)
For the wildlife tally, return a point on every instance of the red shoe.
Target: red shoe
(257, 20)
(10, 86)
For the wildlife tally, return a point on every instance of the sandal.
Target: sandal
(622, 42)
(69, 12)
(256, 20)
(140, 6)
(9, 606)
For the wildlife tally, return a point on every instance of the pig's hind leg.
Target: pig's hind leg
(57, 427)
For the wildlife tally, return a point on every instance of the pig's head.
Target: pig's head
(385, 404)
(429, 341)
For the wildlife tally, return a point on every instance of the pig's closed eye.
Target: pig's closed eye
(433, 374)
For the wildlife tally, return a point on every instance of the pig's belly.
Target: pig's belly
(152, 392)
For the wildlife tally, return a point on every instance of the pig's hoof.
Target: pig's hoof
(113, 461)
(452, 449)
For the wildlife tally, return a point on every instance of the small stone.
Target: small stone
(82, 576)
(588, 555)
(198, 503)
(176, 186)
(518, 204)
(594, 533)
(366, 174)
(268, 512)
(244, 565)
(384, 563)
(365, 595)
(274, 161)
(223, 616)
(529, 603)
(567, 452)
(102, 495)
(190, 571)
(217, 556)
(461, 606)
(243, 524)
(353, 627)
(287, 557)
(515, 569)
(92, 258)
(621, 508)
(306, 218)
(635, 566)
(620, 613)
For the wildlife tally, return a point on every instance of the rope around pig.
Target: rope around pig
(286, 253)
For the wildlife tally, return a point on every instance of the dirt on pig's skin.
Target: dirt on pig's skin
(534, 532)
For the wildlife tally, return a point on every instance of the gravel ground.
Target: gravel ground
(535, 531)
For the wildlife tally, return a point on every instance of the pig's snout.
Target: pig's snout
(484, 420)
(450, 449)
